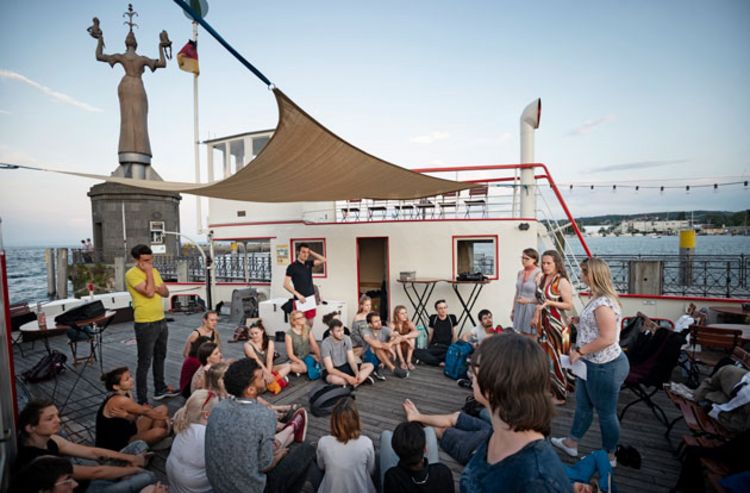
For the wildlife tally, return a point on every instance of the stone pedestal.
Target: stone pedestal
(141, 206)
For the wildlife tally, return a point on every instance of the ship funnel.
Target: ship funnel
(530, 119)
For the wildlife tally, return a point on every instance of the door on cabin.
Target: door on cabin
(372, 272)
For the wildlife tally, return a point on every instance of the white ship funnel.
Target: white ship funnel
(530, 119)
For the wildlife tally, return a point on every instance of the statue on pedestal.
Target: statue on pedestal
(134, 147)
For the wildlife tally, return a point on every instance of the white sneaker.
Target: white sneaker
(560, 443)
(613, 462)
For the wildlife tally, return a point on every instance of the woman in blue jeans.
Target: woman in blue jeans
(606, 365)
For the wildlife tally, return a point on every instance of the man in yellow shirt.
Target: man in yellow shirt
(146, 288)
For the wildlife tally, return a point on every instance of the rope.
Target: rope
(197, 18)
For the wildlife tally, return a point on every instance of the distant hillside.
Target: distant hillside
(717, 218)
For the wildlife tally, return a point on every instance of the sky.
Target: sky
(633, 93)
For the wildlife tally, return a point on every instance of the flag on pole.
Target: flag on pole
(187, 58)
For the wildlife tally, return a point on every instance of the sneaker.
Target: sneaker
(560, 443)
(376, 373)
(299, 425)
(464, 382)
(167, 393)
(400, 372)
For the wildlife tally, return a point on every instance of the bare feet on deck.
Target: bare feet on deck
(411, 411)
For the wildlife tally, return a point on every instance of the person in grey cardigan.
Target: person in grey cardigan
(241, 452)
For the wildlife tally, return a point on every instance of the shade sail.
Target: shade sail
(304, 161)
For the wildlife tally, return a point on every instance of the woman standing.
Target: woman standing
(524, 302)
(554, 295)
(346, 458)
(606, 364)
(300, 342)
(406, 328)
(261, 349)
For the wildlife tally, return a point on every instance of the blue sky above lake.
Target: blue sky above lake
(633, 92)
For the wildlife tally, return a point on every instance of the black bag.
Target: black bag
(46, 368)
(471, 276)
(86, 311)
(323, 398)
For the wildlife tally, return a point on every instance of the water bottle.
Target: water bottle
(41, 317)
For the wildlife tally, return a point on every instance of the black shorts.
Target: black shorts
(345, 368)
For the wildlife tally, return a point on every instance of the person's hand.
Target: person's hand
(353, 381)
(145, 265)
(574, 355)
(267, 376)
(279, 453)
(140, 460)
(300, 298)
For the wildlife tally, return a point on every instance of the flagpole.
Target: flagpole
(196, 143)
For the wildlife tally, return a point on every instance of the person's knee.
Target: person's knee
(367, 367)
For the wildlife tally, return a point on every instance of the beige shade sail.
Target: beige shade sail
(304, 162)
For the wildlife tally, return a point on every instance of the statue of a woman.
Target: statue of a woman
(134, 144)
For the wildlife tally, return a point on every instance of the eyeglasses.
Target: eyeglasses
(210, 396)
(301, 317)
(66, 481)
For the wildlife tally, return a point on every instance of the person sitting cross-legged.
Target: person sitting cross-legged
(209, 354)
(39, 428)
(190, 365)
(346, 457)
(300, 342)
(485, 329)
(246, 453)
(441, 334)
(380, 344)
(403, 465)
(339, 363)
(120, 420)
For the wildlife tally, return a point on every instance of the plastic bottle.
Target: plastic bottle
(41, 317)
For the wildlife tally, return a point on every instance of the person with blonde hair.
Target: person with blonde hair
(360, 323)
(408, 332)
(607, 366)
(186, 464)
(300, 342)
(346, 457)
(215, 379)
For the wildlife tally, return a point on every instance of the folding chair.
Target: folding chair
(477, 198)
(708, 345)
(352, 207)
(448, 202)
(652, 360)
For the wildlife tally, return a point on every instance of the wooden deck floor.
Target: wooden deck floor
(379, 405)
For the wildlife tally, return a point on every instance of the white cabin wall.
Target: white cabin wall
(421, 246)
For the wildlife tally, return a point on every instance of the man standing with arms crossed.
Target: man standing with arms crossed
(299, 280)
(146, 289)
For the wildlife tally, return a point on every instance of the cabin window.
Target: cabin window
(475, 254)
(318, 245)
(242, 259)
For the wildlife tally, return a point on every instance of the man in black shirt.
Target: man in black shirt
(441, 334)
(299, 280)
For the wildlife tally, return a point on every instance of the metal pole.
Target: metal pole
(196, 144)
(209, 267)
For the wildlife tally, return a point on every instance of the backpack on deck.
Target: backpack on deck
(46, 368)
(323, 398)
(313, 367)
(457, 360)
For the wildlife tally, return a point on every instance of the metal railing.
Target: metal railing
(253, 267)
(725, 276)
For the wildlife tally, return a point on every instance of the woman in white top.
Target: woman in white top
(186, 464)
(606, 365)
(346, 458)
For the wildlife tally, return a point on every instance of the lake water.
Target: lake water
(27, 274)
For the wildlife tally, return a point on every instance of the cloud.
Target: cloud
(429, 139)
(3, 112)
(56, 96)
(590, 125)
(636, 165)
